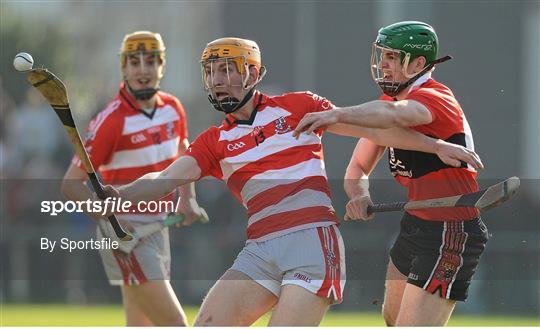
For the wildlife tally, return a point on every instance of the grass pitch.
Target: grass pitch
(112, 315)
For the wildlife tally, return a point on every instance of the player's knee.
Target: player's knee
(205, 320)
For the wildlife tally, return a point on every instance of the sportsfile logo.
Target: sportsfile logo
(103, 207)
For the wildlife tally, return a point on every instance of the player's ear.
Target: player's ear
(420, 64)
(124, 70)
(162, 67)
(254, 74)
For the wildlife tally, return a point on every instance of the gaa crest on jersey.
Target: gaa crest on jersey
(138, 138)
(235, 146)
(281, 126)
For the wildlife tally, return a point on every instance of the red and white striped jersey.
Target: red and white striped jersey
(425, 175)
(280, 180)
(125, 143)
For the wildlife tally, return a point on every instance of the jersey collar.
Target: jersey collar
(130, 103)
(423, 79)
(259, 99)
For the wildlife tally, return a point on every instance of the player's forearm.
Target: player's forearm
(74, 184)
(355, 187)
(75, 190)
(404, 138)
(374, 114)
(356, 181)
(152, 186)
(187, 191)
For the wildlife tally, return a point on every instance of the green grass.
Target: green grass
(112, 315)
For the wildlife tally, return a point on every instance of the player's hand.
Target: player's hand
(108, 192)
(453, 154)
(357, 208)
(313, 121)
(111, 192)
(191, 211)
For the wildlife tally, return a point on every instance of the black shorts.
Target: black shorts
(439, 256)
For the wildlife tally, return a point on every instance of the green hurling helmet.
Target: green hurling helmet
(413, 38)
(405, 41)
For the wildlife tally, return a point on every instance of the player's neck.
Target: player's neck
(403, 94)
(244, 113)
(147, 104)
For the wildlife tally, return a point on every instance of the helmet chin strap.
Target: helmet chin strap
(231, 104)
(389, 88)
(143, 94)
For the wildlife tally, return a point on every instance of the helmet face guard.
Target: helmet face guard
(226, 74)
(143, 64)
(225, 66)
(210, 70)
(386, 77)
(387, 66)
(143, 54)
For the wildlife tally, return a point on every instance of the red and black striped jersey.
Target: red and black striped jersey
(424, 174)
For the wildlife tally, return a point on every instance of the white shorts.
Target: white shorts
(149, 260)
(313, 258)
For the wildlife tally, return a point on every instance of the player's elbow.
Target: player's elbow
(393, 116)
(401, 118)
(401, 121)
(409, 113)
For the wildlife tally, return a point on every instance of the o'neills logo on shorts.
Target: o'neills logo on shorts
(413, 276)
(302, 277)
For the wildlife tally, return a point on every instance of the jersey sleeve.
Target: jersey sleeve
(445, 112)
(102, 135)
(319, 104)
(203, 149)
(427, 98)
